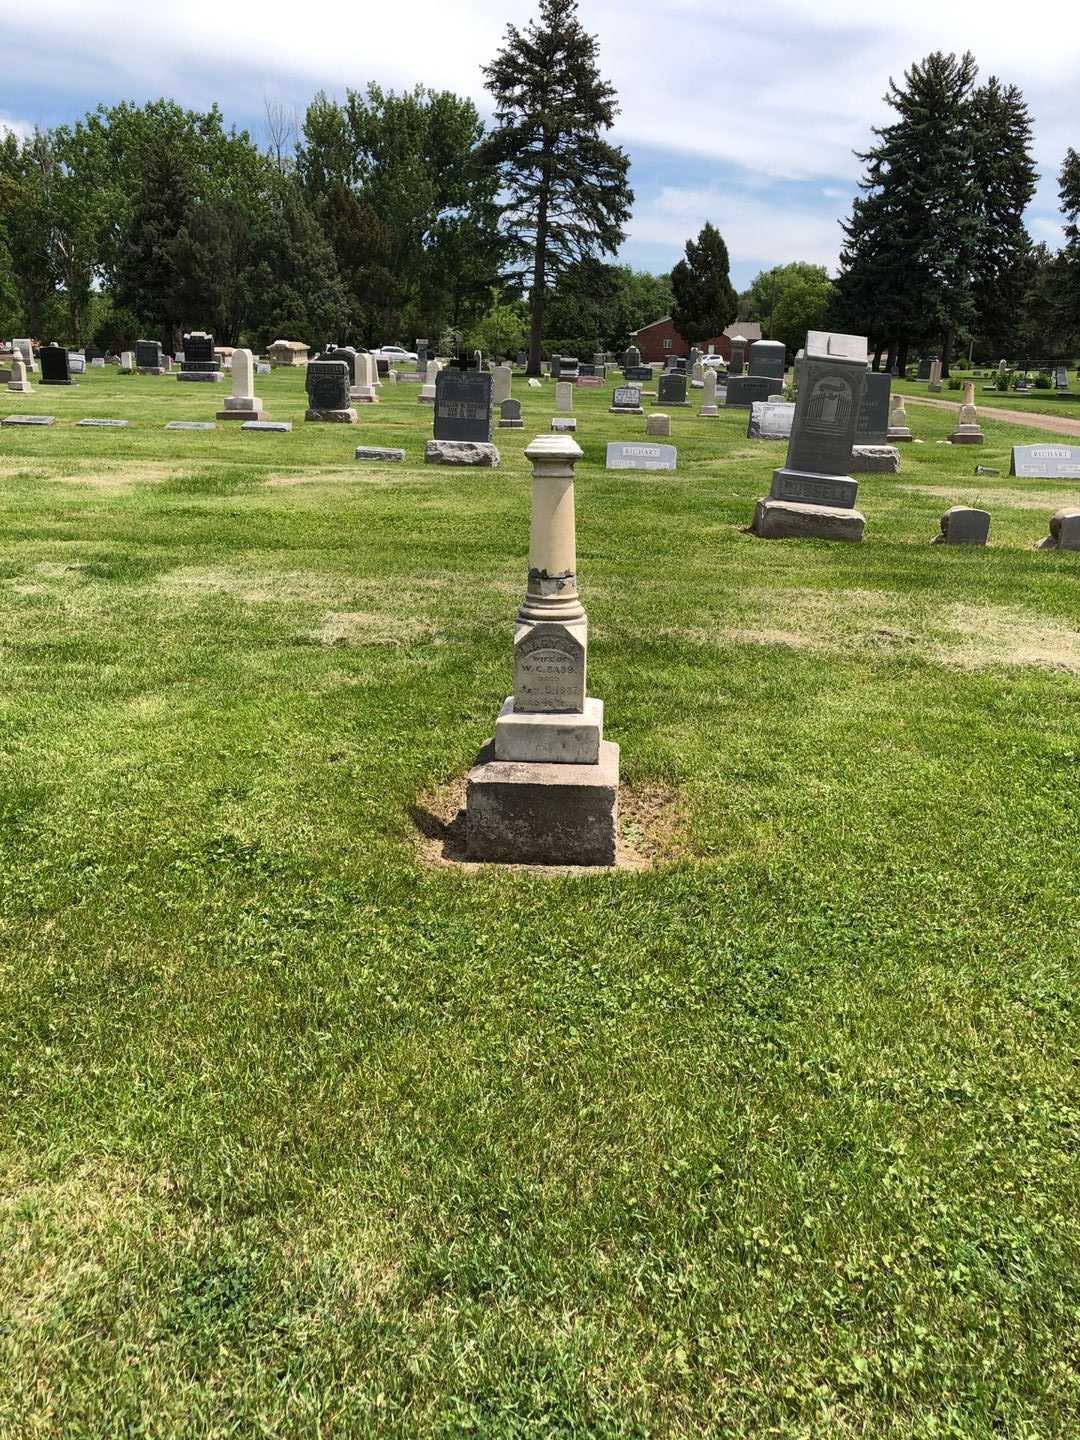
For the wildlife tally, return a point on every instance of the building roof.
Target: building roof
(748, 329)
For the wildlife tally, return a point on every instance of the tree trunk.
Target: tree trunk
(890, 358)
(536, 297)
(877, 359)
(946, 351)
(901, 358)
(75, 319)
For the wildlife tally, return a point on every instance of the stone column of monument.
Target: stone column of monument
(545, 789)
(363, 388)
(502, 375)
(18, 382)
(814, 494)
(427, 390)
(967, 430)
(26, 349)
(899, 431)
(935, 376)
(709, 407)
(243, 403)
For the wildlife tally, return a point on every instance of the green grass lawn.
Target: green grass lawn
(304, 1136)
(1038, 402)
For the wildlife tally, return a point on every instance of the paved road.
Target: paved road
(1057, 424)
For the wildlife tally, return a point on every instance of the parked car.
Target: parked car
(714, 362)
(394, 353)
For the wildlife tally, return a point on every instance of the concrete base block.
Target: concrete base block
(21, 387)
(461, 452)
(566, 739)
(625, 410)
(871, 459)
(150, 370)
(511, 424)
(962, 436)
(332, 417)
(963, 525)
(363, 395)
(55, 382)
(899, 436)
(789, 520)
(242, 415)
(709, 412)
(213, 377)
(379, 452)
(564, 424)
(543, 814)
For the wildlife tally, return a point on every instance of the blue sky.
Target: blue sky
(747, 116)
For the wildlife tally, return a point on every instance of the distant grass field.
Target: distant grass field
(302, 1135)
(1037, 402)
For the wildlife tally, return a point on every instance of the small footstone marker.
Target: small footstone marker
(28, 419)
(564, 423)
(379, 452)
(191, 425)
(273, 425)
(103, 424)
(1064, 531)
(963, 525)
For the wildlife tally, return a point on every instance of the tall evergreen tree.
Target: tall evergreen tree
(705, 299)
(1070, 207)
(566, 188)
(146, 279)
(1005, 179)
(911, 242)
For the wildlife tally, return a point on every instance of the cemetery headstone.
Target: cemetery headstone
(739, 347)
(770, 420)
(658, 424)
(1046, 462)
(502, 376)
(671, 390)
(32, 420)
(1061, 378)
(813, 493)
(380, 452)
(327, 383)
(18, 382)
(127, 360)
(90, 424)
(709, 409)
(564, 395)
(274, 426)
(967, 430)
(462, 428)
(421, 353)
(201, 361)
(545, 789)
(564, 423)
(191, 425)
(148, 359)
(899, 431)
(1064, 531)
(510, 414)
(55, 369)
(640, 374)
(768, 357)
(934, 384)
(26, 350)
(626, 400)
(621, 455)
(873, 422)
(243, 404)
(743, 390)
(287, 353)
(76, 363)
(963, 525)
(362, 369)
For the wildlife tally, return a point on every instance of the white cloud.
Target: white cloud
(754, 229)
(12, 125)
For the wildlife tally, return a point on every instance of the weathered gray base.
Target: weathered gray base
(789, 520)
(804, 488)
(934, 389)
(709, 412)
(540, 814)
(556, 739)
(899, 436)
(56, 382)
(20, 387)
(150, 370)
(511, 424)
(213, 376)
(875, 459)
(379, 452)
(243, 415)
(625, 410)
(966, 437)
(332, 417)
(461, 452)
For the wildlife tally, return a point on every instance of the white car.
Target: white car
(394, 352)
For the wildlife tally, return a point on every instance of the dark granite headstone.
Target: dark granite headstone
(148, 355)
(641, 373)
(54, 365)
(199, 354)
(382, 366)
(463, 405)
(421, 352)
(831, 375)
(873, 423)
(671, 390)
(570, 368)
(769, 358)
(742, 391)
(327, 383)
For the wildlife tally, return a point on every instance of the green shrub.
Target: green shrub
(1042, 381)
(954, 382)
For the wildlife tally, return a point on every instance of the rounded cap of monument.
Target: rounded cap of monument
(548, 448)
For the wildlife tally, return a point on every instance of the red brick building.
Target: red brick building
(660, 340)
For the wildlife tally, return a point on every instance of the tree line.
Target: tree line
(382, 216)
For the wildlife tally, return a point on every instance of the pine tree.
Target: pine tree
(146, 280)
(705, 299)
(1005, 179)
(911, 242)
(1069, 181)
(566, 186)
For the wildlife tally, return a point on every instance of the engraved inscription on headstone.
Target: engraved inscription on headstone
(626, 397)
(327, 384)
(1046, 462)
(549, 671)
(463, 405)
(770, 420)
(622, 456)
(873, 422)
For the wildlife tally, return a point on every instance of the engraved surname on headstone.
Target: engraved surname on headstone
(626, 456)
(549, 671)
(626, 397)
(1046, 462)
(327, 384)
(463, 405)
